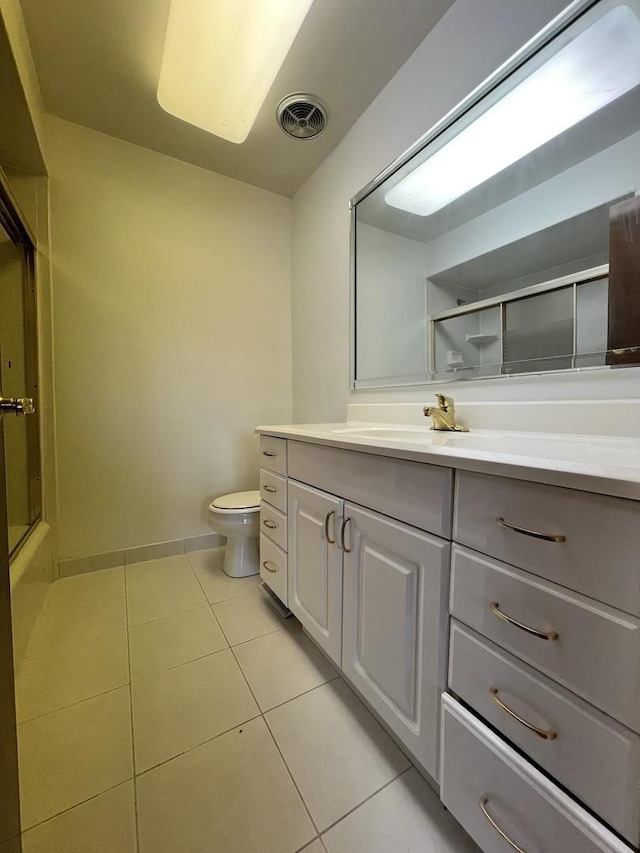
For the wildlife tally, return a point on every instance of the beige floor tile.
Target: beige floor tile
(178, 709)
(158, 571)
(73, 754)
(165, 643)
(338, 754)
(77, 621)
(282, 665)
(82, 587)
(70, 674)
(246, 618)
(207, 561)
(105, 824)
(164, 599)
(406, 815)
(232, 794)
(12, 846)
(220, 587)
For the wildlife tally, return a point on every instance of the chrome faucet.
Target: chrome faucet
(444, 415)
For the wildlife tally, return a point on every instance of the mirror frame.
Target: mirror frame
(563, 20)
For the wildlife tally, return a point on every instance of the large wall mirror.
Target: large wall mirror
(507, 241)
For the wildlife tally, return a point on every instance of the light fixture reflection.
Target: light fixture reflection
(596, 68)
(221, 58)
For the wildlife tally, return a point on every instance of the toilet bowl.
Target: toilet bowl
(237, 516)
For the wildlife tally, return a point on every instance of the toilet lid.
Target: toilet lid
(238, 500)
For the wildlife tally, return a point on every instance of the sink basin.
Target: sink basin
(391, 433)
(424, 435)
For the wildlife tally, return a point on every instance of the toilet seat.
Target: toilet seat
(236, 503)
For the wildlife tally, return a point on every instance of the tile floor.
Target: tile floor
(167, 708)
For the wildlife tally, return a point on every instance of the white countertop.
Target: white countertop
(591, 463)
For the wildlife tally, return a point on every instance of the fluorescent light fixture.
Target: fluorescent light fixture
(221, 58)
(596, 68)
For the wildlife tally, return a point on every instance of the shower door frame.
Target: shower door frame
(20, 233)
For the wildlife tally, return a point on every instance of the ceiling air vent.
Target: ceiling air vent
(302, 116)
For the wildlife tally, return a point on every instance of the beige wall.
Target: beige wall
(472, 39)
(172, 337)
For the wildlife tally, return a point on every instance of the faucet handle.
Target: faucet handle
(445, 404)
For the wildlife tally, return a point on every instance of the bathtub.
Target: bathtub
(30, 573)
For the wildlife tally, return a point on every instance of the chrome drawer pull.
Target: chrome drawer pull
(326, 527)
(342, 532)
(483, 805)
(543, 635)
(270, 524)
(271, 489)
(269, 453)
(268, 567)
(554, 537)
(545, 734)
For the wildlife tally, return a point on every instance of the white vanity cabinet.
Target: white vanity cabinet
(315, 576)
(372, 590)
(494, 629)
(394, 615)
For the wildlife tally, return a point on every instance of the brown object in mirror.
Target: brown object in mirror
(624, 282)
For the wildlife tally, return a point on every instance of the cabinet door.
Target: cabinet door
(394, 643)
(315, 565)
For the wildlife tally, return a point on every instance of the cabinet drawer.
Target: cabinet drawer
(591, 755)
(273, 567)
(479, 770)
(273, 489)
(273, 454)
(274, 525)
(598, 556)
(414, 492)
(596, 647)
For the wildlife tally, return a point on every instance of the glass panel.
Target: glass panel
(592, 300)
(468, 345)
(17, 368)
(538, 332)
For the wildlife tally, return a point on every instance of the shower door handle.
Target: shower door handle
(17, 405)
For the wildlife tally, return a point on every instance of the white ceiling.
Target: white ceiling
(98, 63)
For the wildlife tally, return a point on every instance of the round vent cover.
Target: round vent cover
(302, 116)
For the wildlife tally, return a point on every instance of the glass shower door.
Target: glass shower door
(18, 378)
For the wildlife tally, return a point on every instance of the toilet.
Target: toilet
(237, 516)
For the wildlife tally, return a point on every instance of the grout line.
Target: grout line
(56, 649)
(168, 615)
(308, 845)
(299, 695)
(295, 784)
(73, 704)
(178, 665)
(76, 805)
(287, 625)
(366, 799)
(185, 576)
(264, 720)
(259, 637)
(49, 606)
(197, 745)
